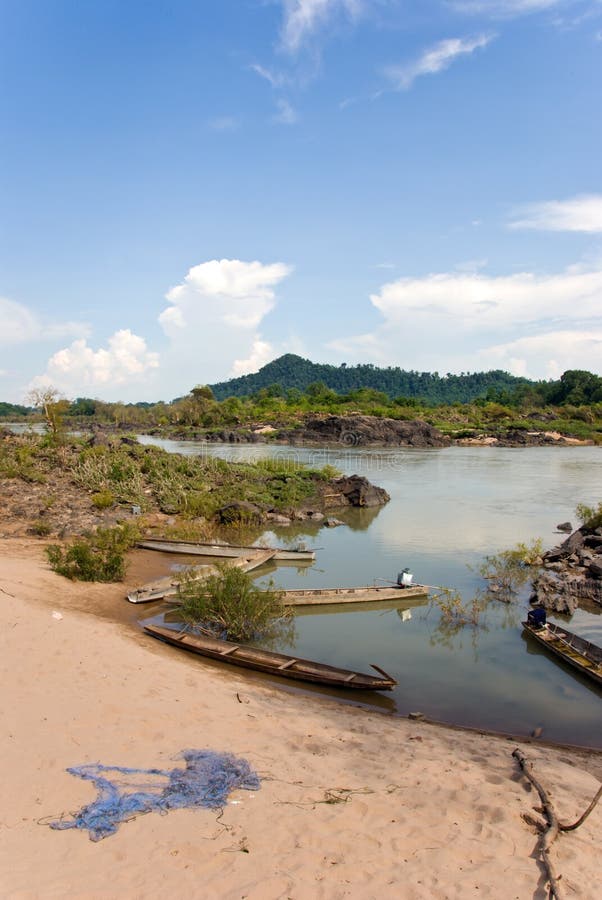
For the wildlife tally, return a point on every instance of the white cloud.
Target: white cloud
(304, 19)
(213, 317)
(261, 353)
(546, 355)
(79, 369)
(21, 326)
(276, 79)
(286, 115)
(435, 59)
(581, 213)
(478, 302)
(458, 321)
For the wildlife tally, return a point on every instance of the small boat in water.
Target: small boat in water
(368, 594)
(224, 551)
(169, 585)
(574, 650)
(273, 663)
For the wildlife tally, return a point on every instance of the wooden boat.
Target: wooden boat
(224, 551)
(169, 585)
(574, 650)
(336, 596)
(273, 663)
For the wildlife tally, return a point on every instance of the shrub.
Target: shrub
(98, 557)
(230, 606)
(103, 500)
(590, 516)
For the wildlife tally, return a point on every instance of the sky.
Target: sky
(191, 188)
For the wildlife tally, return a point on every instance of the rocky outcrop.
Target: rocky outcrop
(366, 431)
(357, 491)
(571, 572)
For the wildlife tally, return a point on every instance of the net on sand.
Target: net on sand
(207, 780)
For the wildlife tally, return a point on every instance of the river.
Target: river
(449, 508)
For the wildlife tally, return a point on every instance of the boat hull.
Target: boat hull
(340, 596)
(223, 551)
(290, 667)
(582, 655)
(168, 586)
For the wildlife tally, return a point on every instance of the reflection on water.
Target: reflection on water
(449, 508)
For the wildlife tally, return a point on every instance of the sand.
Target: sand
(421, 811)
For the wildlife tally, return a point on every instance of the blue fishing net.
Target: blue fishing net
(207, 780)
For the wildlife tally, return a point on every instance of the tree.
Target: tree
(53, 406)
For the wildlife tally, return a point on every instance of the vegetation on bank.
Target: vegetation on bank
(123, 473)
(571, 406)
(96, 557)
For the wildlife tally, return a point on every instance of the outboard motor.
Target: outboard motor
(404, 579)
(537, 617)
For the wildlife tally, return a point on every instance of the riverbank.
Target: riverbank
(352, 803)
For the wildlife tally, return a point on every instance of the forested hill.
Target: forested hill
(292, 372)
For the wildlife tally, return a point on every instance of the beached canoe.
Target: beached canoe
(574, 650)
(168, 587)
(224, 551)
(273, 663)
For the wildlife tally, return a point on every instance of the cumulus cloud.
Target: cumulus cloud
(304, 19)
(444, 321)
(435, 59)
(213, 316)
(261, 353)
(79, 369)
(581, 213)
(20, 325)
(547, 355)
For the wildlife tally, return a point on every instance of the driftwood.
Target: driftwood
(549, 834)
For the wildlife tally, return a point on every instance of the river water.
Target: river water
(449, 508)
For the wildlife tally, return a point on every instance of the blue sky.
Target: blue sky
(189, 189)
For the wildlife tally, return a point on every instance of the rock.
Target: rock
(595, 567)
(416, 715)
(332, 523)
(565, 526)
(358, 491)
(362, 431)
(278, 519)
(239, 512)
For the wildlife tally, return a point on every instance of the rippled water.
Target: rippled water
(449, 508)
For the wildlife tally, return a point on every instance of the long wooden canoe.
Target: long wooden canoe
(273, 663)
(574, 650)
(224, 551)
(169, 585)
(369, 594)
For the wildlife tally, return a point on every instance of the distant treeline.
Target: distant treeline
(293, 372)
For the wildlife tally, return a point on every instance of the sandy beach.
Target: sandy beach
(352, 803)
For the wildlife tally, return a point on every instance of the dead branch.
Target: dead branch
(548, 835)
(582, 818)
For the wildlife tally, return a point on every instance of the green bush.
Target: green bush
(103, 500)
(590, 516)
(98, 557)
(230, 606)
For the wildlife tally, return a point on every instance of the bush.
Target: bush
(229, 605)
(590, 516)
(99, 557)
(103, 500)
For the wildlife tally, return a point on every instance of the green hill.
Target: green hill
(290, 371)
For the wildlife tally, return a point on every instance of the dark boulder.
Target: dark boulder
(239, 512)
(358, 491)
(365, 431)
